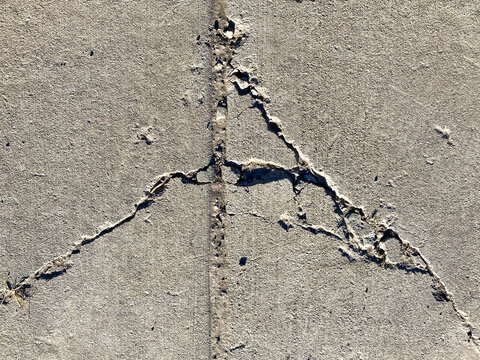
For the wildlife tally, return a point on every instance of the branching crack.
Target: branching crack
(225, 38)
(411, 260)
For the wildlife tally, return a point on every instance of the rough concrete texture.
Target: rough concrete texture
(243, 180)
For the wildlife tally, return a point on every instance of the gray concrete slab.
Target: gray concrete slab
(239, 180)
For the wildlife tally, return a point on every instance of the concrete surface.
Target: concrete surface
(243, 180)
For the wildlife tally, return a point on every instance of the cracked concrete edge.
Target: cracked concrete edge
(246, 84)
(59, 265)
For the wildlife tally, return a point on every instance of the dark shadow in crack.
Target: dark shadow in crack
(262, 176)
(52, 275)
(284, 225)
(347, 255)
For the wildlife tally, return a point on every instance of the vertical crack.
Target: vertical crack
(225, 38)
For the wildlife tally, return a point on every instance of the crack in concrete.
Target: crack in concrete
(305, 171)
(59, 265)
(300, 174)
(225, 37)
(221, 52)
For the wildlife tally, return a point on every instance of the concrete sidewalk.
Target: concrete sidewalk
(240, 180)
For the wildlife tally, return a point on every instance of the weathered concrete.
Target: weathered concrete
(234, 179)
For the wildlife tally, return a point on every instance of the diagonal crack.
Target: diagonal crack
(59, 265)
(256, 170)
(412, 260)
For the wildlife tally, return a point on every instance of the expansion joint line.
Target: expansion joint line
(223, 38)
